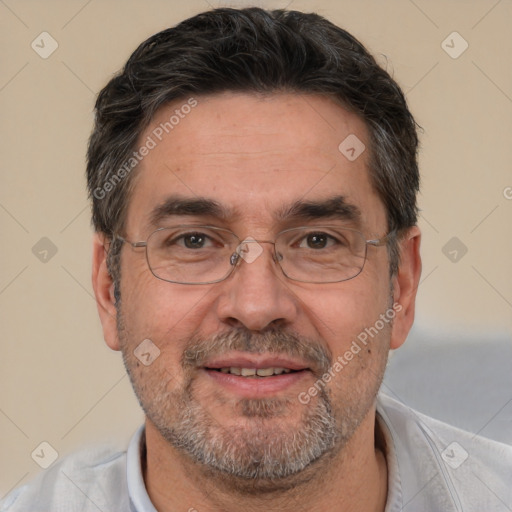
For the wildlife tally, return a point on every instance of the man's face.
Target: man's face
(255, 157)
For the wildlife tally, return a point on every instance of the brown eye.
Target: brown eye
(194, 240)
(316, 241)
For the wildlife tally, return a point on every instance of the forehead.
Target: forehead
(255, 155)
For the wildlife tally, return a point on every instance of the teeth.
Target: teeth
(265, 372)
(252, 372)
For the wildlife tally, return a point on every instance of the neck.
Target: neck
(352, 479)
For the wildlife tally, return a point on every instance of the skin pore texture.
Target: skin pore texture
(213, 446)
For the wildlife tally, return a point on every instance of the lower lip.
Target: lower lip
(257, 387)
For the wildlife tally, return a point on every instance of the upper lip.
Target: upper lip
(256, 361)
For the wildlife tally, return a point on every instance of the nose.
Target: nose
(256, 295)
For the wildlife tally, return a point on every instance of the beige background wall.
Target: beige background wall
(58, 381)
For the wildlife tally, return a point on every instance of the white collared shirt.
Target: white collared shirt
(432, 467)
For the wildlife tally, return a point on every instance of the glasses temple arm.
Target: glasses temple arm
(384, 240)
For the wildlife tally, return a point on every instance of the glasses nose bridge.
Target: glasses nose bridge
(272, 242)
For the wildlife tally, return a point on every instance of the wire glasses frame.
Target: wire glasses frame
(176, 254)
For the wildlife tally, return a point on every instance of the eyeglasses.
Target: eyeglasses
(191, 254)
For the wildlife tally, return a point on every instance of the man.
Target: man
(253, 177)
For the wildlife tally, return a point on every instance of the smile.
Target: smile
(256, 375)
(252, 372)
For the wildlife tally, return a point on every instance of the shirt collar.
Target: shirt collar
(394, 497)
(139, 498)
(140, 501)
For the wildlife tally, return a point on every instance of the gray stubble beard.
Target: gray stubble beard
(256, 457)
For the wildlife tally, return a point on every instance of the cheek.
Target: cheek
(152, 337)
(358, 338)
(168, 314)
(340, 315)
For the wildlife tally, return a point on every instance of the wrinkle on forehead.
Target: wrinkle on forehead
(254, 154)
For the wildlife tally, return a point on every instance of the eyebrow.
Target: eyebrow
(183, 206)
(335, 207)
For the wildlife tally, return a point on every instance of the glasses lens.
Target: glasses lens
(191, 254)
(325, 254)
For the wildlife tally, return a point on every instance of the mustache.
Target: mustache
(272, 341)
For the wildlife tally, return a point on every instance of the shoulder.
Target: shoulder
(87, 480)
(470, 471)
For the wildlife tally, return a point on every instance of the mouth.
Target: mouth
(256, 376)
(253, 372)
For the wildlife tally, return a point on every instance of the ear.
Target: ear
(104, 291)
(405, 285)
